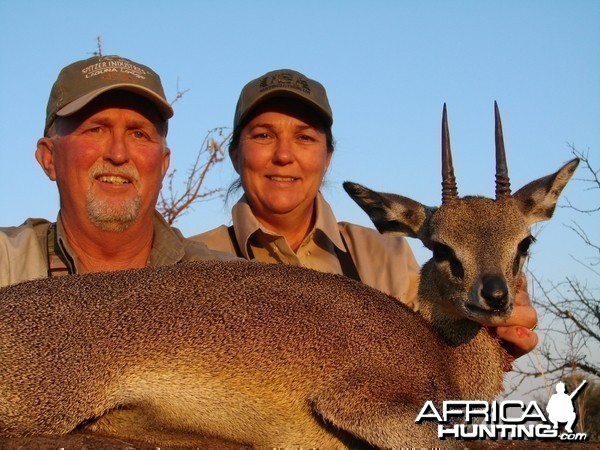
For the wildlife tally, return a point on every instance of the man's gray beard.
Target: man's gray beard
(114, 217)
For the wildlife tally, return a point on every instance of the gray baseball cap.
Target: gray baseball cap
(81, 82)
(282, 83)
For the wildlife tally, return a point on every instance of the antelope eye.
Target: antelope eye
(524, 245)
(443, 253)
(522, 250)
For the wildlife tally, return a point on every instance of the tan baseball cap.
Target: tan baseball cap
(282, 83)
(81, 82)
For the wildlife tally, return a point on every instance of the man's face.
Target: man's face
(108, 160)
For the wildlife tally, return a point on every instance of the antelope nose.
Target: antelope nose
(494, 291)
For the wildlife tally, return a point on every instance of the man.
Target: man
(105, 146)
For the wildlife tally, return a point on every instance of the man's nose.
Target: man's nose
(116, 150)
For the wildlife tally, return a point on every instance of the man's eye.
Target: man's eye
(94, 130)
(139, 135)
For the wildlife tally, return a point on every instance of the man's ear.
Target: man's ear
(45, 157)
(166, 161)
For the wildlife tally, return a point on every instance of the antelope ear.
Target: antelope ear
(537, 200)
(389, 212)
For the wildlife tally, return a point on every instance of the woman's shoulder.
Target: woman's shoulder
(371, 237)
(384, 261)
(218, 238)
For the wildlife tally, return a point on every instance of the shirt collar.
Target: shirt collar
(64, 250)
(245, 224)
(327, 223)
(167, 247)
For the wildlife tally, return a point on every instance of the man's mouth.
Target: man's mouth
(113, 179)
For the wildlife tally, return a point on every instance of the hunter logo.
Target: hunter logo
(286, 81)
(560, 407)
(115, 69)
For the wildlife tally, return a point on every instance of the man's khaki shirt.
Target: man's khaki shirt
(26, 250)
(384, 262)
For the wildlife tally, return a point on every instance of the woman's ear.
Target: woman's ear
(328, 160)
(233, 155)
(45, 156)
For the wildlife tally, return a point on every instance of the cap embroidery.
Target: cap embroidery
(284, 80)
(113, 66)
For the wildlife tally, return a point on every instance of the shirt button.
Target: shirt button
(308, 253)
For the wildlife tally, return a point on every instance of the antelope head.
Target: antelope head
(479, 244)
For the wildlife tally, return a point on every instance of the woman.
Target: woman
(281, 147)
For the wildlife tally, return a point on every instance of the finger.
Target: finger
(522, 299)
(524, 316)
(517, 340)
(521, 294)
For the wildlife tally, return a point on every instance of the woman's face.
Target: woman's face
(282, 158)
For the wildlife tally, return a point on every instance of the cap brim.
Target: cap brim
(286, 93)
(164, 108)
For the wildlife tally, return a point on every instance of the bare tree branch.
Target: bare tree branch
(99, 42)
(179, 94)
(98, 51)
(570, 313)
(171, 204)
(591, 183)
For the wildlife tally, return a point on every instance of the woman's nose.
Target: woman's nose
(283, 153)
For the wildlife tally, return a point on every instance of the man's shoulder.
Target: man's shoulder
(23, 255)
(32, 228)
(31, 223)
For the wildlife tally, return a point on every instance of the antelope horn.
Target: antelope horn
(502, 180)
(449, 191)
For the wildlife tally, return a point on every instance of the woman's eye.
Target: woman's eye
(305, 137)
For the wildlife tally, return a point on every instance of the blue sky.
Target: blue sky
(388, 67)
